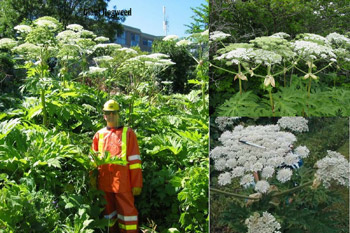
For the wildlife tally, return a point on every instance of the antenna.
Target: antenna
(165, 22)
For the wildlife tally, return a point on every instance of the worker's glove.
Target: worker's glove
(136, 191)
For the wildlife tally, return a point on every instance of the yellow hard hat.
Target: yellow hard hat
(111, 105)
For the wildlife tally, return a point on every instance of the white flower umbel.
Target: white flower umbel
(267, 172)
(75, 27)
(315, 38)
(7, 43)
(338, 39)
(266, 57)
(262, 186)
(225, 121)
(218, 35)
(170, 38)
(267, 223)
(101, 39)
(311, 50)
(302, 151)
(334, 167)
(296, 124)
(237, 55)
(224, 178)
(247, 180)
(128, 50)
(27, 48)
(284, 175)
(103, 59)
(93, 70)
(67, 36)
(183, 43)
(45, 23)
(23, 28)
(282, 35)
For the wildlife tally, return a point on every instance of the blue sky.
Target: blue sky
(147, 15)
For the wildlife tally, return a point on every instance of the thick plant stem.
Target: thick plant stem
(240, 81)
(309, 88)
(42, 96)
(234, 194)
(293, 189)
(271, 103)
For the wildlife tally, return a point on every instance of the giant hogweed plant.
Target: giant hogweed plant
(268, 171)
(271, 57)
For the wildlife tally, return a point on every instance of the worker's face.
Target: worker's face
(111, 117)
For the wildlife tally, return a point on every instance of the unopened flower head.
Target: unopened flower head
(27, 48)
(334, 167)
(218, 35)
(23, 28)
(296, 124)
(266, 223)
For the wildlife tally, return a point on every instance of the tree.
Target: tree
(14, 12)
(200, 17)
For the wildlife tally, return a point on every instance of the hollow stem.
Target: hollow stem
(233, 194)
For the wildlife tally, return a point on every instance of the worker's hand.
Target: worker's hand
(136, 191)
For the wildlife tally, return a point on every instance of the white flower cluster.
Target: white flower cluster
(255, 149)
(67, 36)
(183, 43)
(262, 56)
(7, 43)
(311, 50)
(103, 59)
(302, 151)
(128, 50)
(237, 55)
(170, 38)
(334, 167)
(45, 23)
(282, 35)
(27, 48)
(338, 38)
(224, 121)
(23, 28)
(315, 38)
(93, 70)
(218, 35)
(75, 27)
(101, 39)
(266, 223)
(296, 124)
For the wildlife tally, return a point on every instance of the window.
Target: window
(149, 42)
(122, 39)
(135, 39)
(145, 42)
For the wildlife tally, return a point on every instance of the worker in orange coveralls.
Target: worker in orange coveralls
(122, 181)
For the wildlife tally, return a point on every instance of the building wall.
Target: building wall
(134, 37)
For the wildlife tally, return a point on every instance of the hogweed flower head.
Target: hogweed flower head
(170, 38)
(262, 186)
(224, 121)
(334, 167)
(7, 43)
(23, 28)
(296, 124)
(75, 27)
(218, 35)
(266, 223)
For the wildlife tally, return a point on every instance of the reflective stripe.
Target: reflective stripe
(127, 227)
(100, 144)
(135, 166)
(127, 218)
(134, 157)
(123, 154)
(111, 215)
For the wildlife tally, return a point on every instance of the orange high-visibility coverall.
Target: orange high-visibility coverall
(117, 180)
